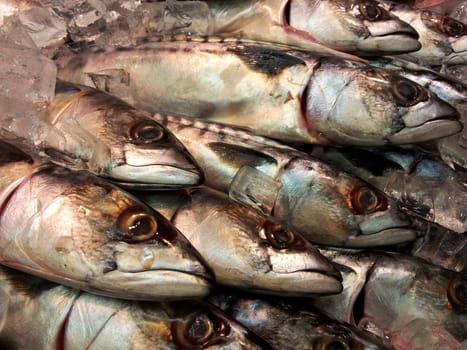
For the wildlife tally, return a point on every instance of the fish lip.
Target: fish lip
(390, 236)
(410, 43)
(424, 131)
(192, 176)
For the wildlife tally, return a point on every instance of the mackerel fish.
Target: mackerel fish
(287, 95)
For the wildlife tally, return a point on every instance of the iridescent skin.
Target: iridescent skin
(79, 230)
(286, 95)
(42, 315)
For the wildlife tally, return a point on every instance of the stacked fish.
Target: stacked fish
(272, 174)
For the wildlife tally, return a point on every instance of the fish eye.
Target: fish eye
(366, 200)
(452, 27)
(146, 132)
(408, 93)
(199, 330)
(326, 343)
(457, 293)
(281, 238)
(370, 11)
(137, 226)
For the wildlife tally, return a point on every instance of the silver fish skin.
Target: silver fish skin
(421, 185)
(383, 293)
(106, 136)
(452, 149)
(224, 82)
(292, 325)
(42, 315)
(443, 39)
(245, 249)
(79, 230)
(351, 26)
(323, 204)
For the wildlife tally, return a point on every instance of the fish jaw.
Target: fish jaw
(347, 103)
(383, 34)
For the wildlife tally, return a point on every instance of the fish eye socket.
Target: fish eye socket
(408, 93)
(325, 343)
(370, 10)
(146, 132)
(199, 330)
(137, 226)
(457, 293)
(366, 200)
(281, 238)
(452, 27)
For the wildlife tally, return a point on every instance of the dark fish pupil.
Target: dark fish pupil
(140, 227)
(198, 329)
(461, 293)
(454, 28)
(335, 345)
(282, 237)
(149, 133)
(407, 90)
(367, 199)
(371, 11)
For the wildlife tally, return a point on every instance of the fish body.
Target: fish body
(290, 324)
(422, 186)
(79, 230)
(383, 293)
(443, 39)
(103, 134)
(308, 196)
(349, 26)
(245, 249)
(287, 95)
(38, 314)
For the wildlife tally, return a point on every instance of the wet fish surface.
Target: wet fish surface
(308, 196)
(60, 317)
(246, 250)
(77, 229)
(287, 95)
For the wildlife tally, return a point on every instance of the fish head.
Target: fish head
(248, 251)
(127, 145)
(349, 103)
(402, 289)
(358, 26)
(201, 325)
(328, 206)
(292, 323)
(98, 238)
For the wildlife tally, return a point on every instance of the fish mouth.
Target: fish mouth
(382, 238)
(162, 284)
(156, 176)
(396, 42)
(298, 283)
(433, 129)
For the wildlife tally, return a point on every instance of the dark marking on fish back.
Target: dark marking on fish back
(240, 156)
(266, 60)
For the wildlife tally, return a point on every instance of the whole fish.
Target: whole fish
(422, 186)
(383, 293)
(245, 249)
(106, 136)
(38, 314)
(308, 196)
(292, 325)
(276, 93)
(79, 230)
(359, 27)
(452, 149)
(443, 39)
